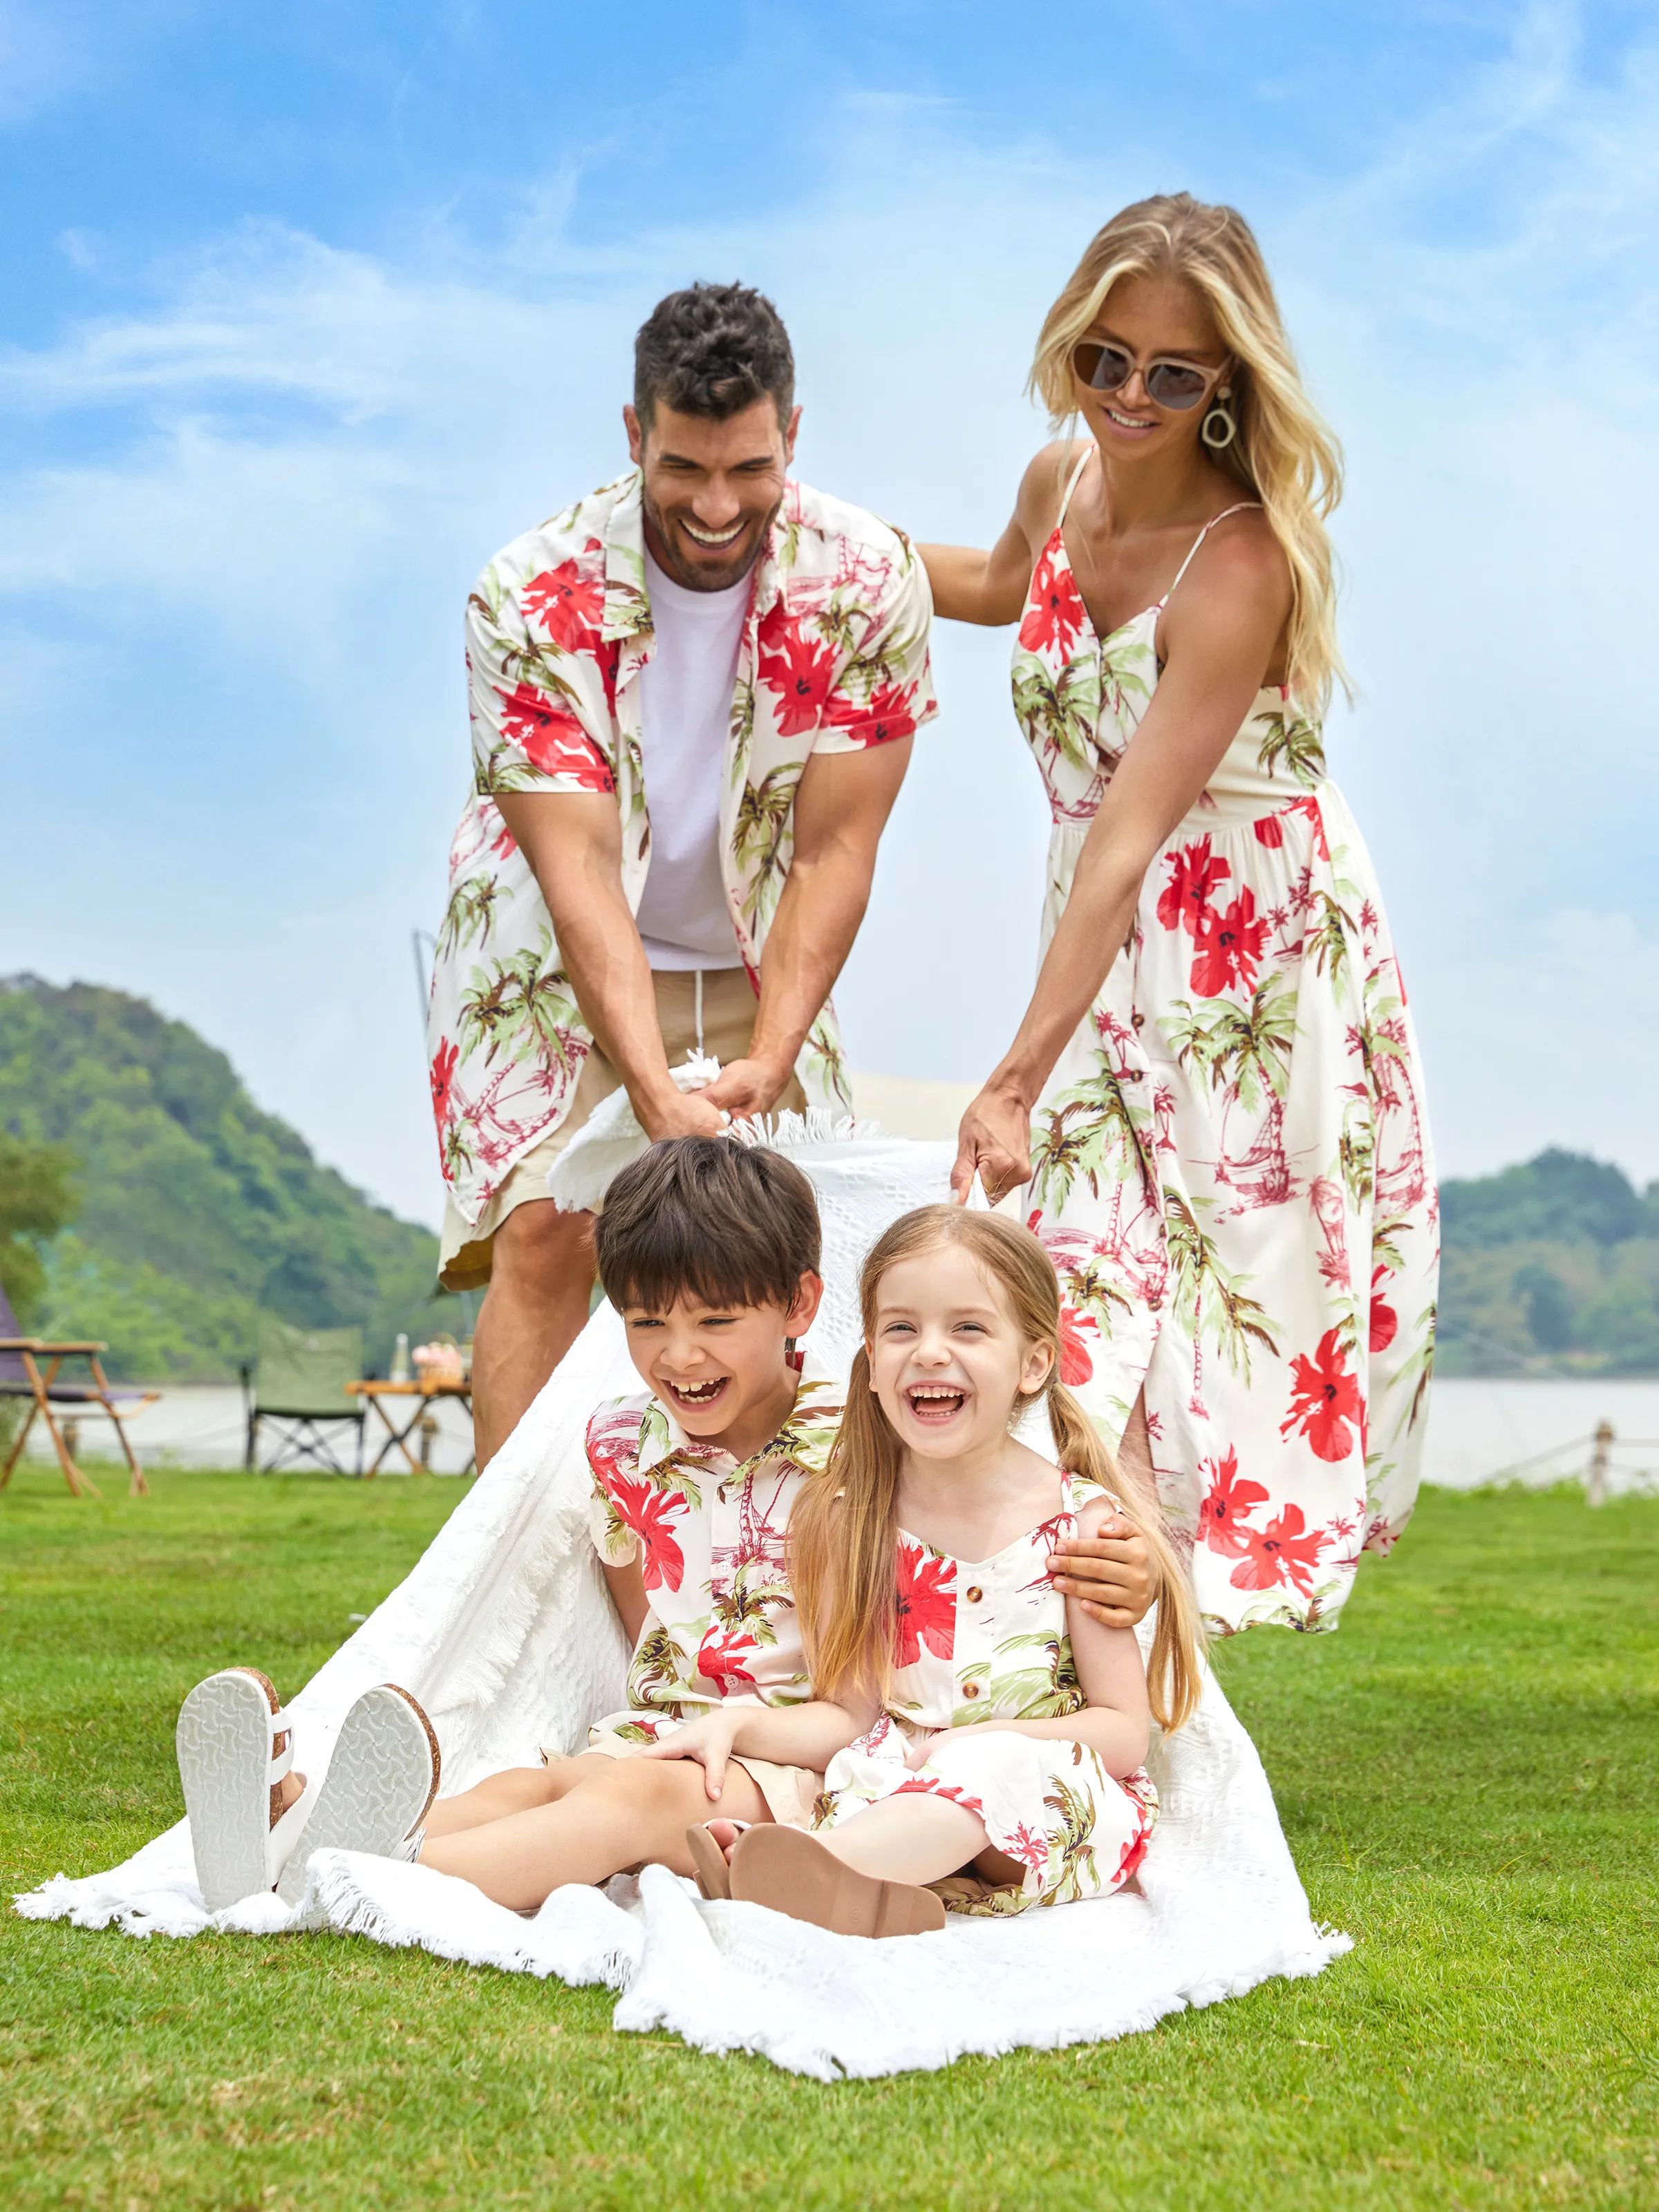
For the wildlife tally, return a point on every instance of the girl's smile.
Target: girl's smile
(946, 1358)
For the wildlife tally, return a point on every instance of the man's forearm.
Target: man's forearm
(811, 934)
(574, 850)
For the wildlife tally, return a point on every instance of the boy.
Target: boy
(710, 1251)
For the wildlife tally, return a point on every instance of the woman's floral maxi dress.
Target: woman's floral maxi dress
(1231, 1165)
(981, 1640)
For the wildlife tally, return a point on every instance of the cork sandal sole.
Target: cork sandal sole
(793, 1873)
(378, 1788)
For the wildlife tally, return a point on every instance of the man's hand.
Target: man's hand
(707, 1740)
(681, 1114)
(995, 1137)
(748, 1087)
(1110, 1573)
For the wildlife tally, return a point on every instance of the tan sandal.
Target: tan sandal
(793, 1873)
(709, 1862)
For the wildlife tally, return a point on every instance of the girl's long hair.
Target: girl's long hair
(844, 1533)
(1285, 454)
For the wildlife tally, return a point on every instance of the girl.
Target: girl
(1004, 1732)
(1213, 1099)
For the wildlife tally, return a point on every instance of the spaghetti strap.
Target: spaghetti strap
(1243, 507)
(1066, 496)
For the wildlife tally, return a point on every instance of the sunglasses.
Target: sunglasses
(1169, 383)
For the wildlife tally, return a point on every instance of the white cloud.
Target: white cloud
(323, 445)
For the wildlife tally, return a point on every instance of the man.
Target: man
(693, 696)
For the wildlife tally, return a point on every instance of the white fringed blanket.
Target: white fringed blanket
(504, 1632)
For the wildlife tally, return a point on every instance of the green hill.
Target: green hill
(192, 1208)
(1550, 1267)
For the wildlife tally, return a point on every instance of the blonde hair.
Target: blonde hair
(844, 1533)
(1285, 452)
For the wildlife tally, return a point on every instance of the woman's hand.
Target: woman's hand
(1108, 1572)
(708, 1741)
(995, 1139)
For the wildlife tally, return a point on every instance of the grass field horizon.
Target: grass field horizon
(1468, 1773)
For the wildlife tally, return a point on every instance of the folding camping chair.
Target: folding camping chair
(21, 1377)
(298, 1388)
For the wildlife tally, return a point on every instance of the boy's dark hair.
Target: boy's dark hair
(713, 351)
(730, 1224)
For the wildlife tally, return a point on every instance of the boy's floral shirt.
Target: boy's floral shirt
(834, 659)
(710, 1532)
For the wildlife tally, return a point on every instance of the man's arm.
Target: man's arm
(572, 841)
(841, 806)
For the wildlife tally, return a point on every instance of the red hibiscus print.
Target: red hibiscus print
(553, 738)
(1133, 1851)
(1270, 828)
(1076, 1361)
(648, 1511)
(567, 604)
(1222, 1511)
(799, 669)
(442, 1075)
(1228, 947)
(1054, 613)
(1029, 1845)
(1285, 1552)
(927, 1605)
(1324, 1399)
(1385, 1321)
(721, 1657)
(1195, 871)
(890, 713)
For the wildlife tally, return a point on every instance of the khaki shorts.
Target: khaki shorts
(728, 1009)
(789, 1792)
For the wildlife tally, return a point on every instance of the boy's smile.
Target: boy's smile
(723, 1370)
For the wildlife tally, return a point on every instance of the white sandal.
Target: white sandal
(378, 1788)
(230, 1729)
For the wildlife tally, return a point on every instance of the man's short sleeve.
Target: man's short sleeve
(539, 682)
(884, 687)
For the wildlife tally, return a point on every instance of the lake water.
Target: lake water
(1533, 1432)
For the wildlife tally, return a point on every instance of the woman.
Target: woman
(1214, 1099)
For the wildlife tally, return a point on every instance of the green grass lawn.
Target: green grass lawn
(1469, 1774)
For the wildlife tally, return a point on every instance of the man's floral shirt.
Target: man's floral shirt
(834, 659)
(709, 1531)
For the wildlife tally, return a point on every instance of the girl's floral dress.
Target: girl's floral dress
(1232, 1169)
(983, 1640)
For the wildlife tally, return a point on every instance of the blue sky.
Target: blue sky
(307, 310)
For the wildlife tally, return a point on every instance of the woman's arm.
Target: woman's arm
(974, 587)
(1218, 640)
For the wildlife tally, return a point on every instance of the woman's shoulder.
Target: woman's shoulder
(1043, 484)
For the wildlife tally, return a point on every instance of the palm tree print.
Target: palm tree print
(1209, 1298)
(517, 1010)
(1296, 741)
(470, 912)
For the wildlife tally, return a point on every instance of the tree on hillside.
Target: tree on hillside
(37, 1199)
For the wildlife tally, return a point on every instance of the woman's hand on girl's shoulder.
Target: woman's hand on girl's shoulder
(1107, 1567)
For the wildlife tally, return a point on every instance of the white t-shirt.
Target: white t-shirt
(685, 708)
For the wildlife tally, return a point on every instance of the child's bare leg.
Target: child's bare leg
(517, 1789)
(638, 1810)
(911, 1838)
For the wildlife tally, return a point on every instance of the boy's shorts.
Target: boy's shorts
(790, 1792)
(722, 1026)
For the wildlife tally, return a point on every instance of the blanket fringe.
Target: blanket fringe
(789, 1132)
